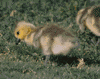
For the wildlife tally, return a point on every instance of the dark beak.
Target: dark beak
(18, 40)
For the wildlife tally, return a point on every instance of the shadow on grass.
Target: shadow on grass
(62, 60)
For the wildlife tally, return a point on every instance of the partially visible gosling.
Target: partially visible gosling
(89, 17)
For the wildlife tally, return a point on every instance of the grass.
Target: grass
(24, 62)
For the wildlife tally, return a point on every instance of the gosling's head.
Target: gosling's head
(22, 29)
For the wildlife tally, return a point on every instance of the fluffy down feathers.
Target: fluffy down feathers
(50, 38)
(90, 18)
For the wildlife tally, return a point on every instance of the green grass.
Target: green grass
(24, 62)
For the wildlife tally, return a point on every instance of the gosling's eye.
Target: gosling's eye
(18, 33)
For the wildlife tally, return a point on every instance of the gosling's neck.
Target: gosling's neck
(29, 38)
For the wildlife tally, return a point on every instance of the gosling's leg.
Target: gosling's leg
(47, 59)
(96, 44)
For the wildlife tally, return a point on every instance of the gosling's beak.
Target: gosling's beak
(18, 40)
